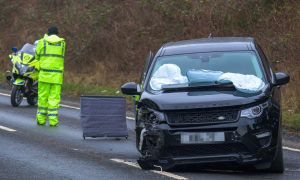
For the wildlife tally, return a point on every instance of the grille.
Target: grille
(206, 150)
(201, 116)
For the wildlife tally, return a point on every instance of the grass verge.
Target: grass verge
(291, 120)
(76, 90)
(83, 89)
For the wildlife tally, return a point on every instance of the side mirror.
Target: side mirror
(281, 78)
(14, 49)
(130, 88)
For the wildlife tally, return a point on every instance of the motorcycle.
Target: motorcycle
(24, 75)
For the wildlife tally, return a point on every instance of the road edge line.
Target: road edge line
(7, 129)
(171, 175)
(67, 106)
(290, 149)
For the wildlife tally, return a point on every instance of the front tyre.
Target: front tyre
(277, 165)
(16, 96)
(32, 99)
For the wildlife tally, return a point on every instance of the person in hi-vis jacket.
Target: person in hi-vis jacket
(50, 52)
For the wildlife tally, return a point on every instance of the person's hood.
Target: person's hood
(53, 38)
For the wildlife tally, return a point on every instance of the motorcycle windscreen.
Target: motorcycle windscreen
(28, 48)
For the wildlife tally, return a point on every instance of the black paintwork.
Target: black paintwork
(161, 143)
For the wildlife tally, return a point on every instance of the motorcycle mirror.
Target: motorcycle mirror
(14, 49)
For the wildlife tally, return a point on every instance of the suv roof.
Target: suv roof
(208, 45)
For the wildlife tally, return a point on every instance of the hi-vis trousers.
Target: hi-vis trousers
(48, 103)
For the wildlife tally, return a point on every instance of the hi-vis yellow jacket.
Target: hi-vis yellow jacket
(50, 53)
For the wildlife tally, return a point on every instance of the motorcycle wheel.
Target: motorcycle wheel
(32, 99)
(16, 96)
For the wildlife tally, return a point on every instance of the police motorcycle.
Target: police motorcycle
(24, 75)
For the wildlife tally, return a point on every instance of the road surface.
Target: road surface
(28, 151)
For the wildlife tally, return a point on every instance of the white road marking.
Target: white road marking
(130, 118)
(5, 94)
(67, 106)
(292, 170)
(71, 107)
(7, 129)
(129, 163)
(291, 149)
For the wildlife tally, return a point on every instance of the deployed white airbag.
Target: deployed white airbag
(203, 76)
(243, 83)
(167, 74)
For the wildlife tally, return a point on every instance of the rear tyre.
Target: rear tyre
(32, 99)
(16, 96)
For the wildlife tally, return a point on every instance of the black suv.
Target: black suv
(185, 115)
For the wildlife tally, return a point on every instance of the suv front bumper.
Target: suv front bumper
(246, 143)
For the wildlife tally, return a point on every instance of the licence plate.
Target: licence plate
(199, 138)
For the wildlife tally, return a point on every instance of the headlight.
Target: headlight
(21, 68)
(255, 111)
(156, 116)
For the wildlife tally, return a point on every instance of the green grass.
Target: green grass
(2, 77)
(291, 120)
(77, 90)
(83, 89)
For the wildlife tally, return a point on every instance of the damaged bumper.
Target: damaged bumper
(245, 142)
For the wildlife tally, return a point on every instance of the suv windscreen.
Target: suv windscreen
(203, 67)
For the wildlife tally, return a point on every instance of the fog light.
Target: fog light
(264, 138)
(263, 135)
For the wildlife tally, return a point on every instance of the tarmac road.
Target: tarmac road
(28, 151)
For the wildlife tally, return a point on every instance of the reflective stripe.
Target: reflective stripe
(40, 113)
(42, 108)
(52, 44)
(22, 54)
(52, 70)
(52, 114)
(52, 109)
(44, 47)
(52, 55)
(63, 48)
(36, 54)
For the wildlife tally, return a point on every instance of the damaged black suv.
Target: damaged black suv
(207, 101)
